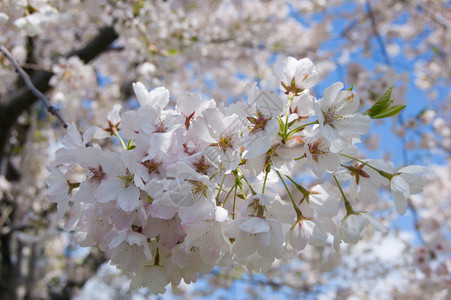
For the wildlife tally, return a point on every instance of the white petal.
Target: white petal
(254, 225)
(220, 214)
(141, 93)
(351, 227)
(117, 240)
(108, 190)
(159, 97)
(269, 104)
(400, 190)
(375, 223)
(128, 199)
(413, 169)
(400, 202)
(330, 95)
(317, 168)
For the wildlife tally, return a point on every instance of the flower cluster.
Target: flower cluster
(199, 184)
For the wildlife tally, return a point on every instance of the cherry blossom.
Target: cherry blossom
(351, 227)
(181, 197)
(173, 51)
(406, 182)
(338, 118)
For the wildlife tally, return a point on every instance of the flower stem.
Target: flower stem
(216, 173)
(233, 206)
(227, 196)
(301, 127)
(247, 182)
(382, 173)
(220, 188)
(285, 129)
(304, 192)
(348, 205)
(267, 170)
(296, 208)
(116, 133)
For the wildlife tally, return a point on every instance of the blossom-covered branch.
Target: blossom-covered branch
(181, 196)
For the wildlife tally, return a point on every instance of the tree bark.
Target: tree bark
(24, 99)
(10, 110)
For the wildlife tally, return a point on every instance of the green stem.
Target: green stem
(348, 205)
(304, 192)
(267, 170)
(382, 173)
(217, 172)
(300, 157)
(242, 192)
(301, 127)
(285, 129)
(227, 196)
(247, 182)
(157, 258)
(233, 206)
(296, 208)
(116, 133)
(220, 188)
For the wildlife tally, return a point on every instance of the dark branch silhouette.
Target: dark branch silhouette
(24, 97)
(10, 109)
(50, 108)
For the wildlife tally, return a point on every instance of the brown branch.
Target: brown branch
(50, 108)
(24, 98)
(378, 36)
(85, 271)
(427, 12)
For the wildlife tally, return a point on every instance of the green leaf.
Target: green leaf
(31, 9)
(394, 110)
(381, 104)
(130, 145)
(137, 7)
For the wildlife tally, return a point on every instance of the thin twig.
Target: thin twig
(50, 108)
(416, 220)
(427, 12)
(377, 34)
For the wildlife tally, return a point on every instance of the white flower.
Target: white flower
(114, 120)
(320, 157)
(223, 133)
(322, 202)
(208, 234)
(296, 75)
(352, 226)
(158, 97)
(153, 277)
(254, 234)
(264, 108)
(366, 182)
(406, 182)
(190, 105)
(129, 249)
(337, 116)
(73, 141)
(3, 18)
(59, 191)
(310, 231)
(119, 180)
